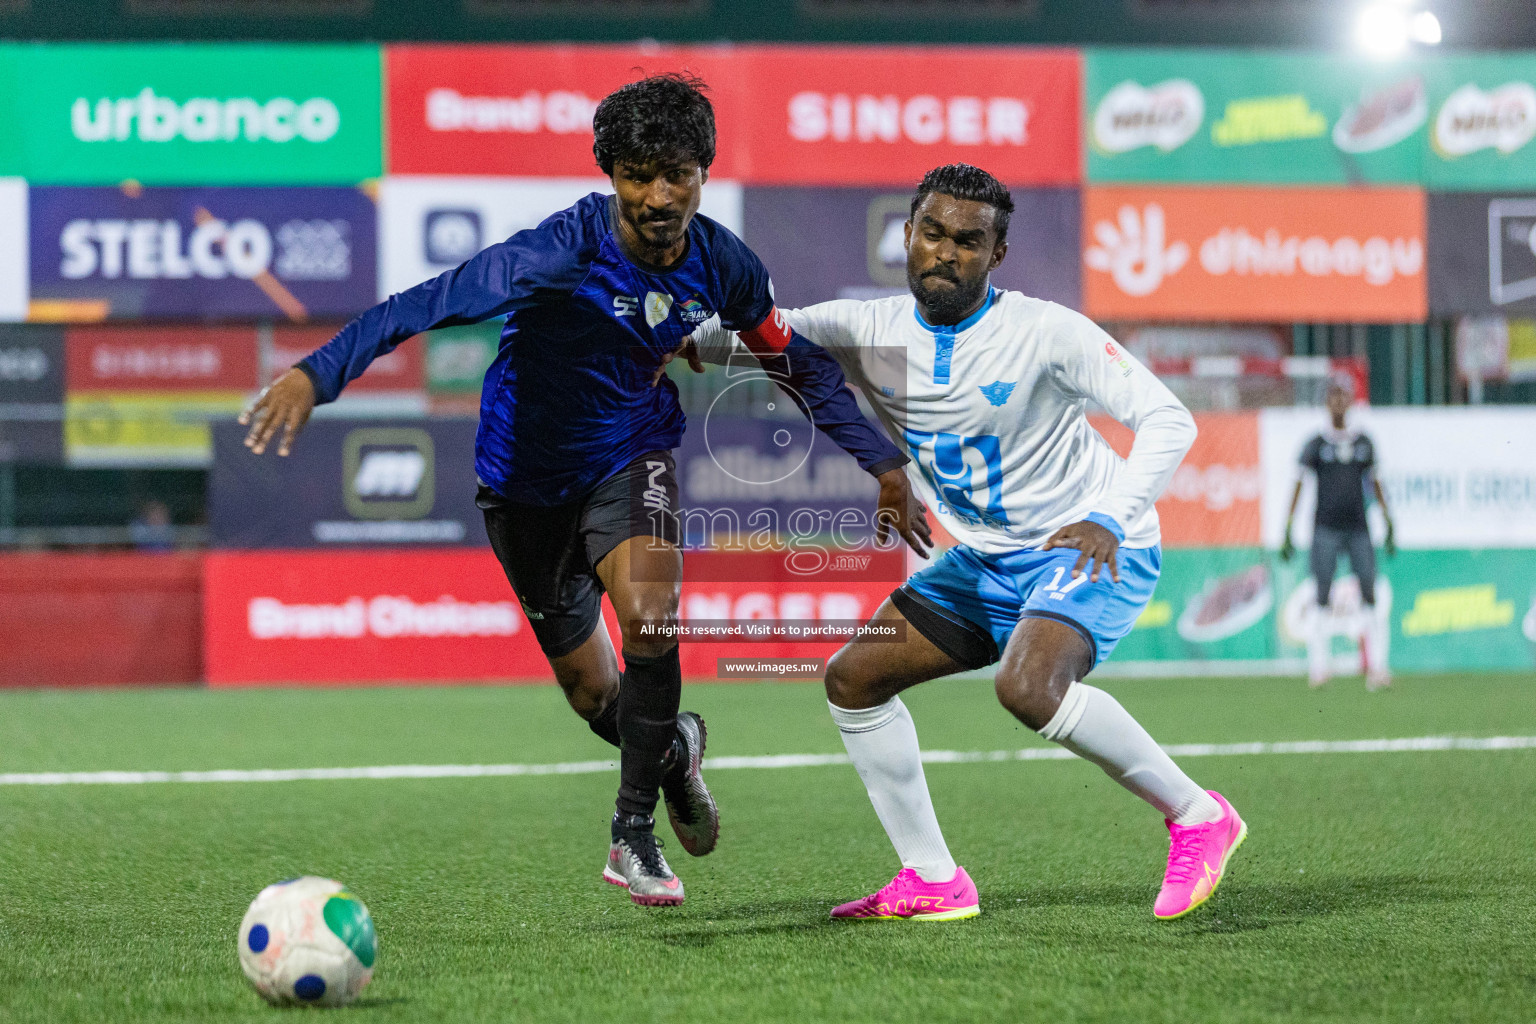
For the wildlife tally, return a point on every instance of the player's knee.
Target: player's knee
(846, 685)
(649, 623)
(1033, 689)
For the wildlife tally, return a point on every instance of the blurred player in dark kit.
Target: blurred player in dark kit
(577, 424)
(1344, 462)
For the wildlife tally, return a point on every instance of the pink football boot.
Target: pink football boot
(1197, 858)
(908, 898)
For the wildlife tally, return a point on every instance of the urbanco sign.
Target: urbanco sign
(198, 114)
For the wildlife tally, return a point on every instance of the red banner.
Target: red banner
(887, 115)
(325, 618)
(404, 369)
(527, 110)
(160, 359)
(1213, 499)
(785, 114)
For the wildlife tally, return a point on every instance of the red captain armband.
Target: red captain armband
(768, 338)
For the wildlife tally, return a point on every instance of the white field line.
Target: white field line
(470, 771)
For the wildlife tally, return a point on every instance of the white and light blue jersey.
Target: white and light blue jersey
(994, 413)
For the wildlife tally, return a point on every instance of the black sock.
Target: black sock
(606, 722)
(649, 695)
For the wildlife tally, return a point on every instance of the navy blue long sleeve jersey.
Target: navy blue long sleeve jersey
(568, 400)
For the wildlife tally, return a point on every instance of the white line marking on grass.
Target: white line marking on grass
(471, 771)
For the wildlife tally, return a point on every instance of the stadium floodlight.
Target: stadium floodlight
(1385, 28)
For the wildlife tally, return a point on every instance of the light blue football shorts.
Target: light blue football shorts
(993, 592)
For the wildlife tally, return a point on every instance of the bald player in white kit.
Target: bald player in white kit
(1058, 539)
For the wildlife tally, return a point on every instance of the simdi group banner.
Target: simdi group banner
(1213, 116)
(190, 114)
(1194, 253)
(785, 114)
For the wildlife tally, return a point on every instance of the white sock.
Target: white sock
(1319, 642)
(1093, 725)
(1377, 636)
(882, 741)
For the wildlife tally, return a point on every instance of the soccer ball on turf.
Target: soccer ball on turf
(308, 941)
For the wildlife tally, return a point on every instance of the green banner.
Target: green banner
(1449, 610)
(10, 138)
(172, 114)
(457, 357)
(1230, 116)
(1482, 120)
(1223, 116)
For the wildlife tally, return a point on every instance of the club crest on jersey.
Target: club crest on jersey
(657, 306)
(998, 391)
(967, 473)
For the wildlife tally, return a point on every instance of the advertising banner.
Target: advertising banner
(13, 249)
(205, 253)
(31, 394)
(847, 243)
(431, 224)
(402, 371)
(457, 358)
(144, 396)
(1240, 116)
(1210, 604)
(1482, 121)
(1453, 477)
(1213, 499)
(1254, 255)
(527, 110)
(161, 358)
(197, 114)
(887, 115)
(1482, 253)
(348, 483)
(447, 615)
(785, 114)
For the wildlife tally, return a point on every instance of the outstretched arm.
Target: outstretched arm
(505, 277)
(1089, 363)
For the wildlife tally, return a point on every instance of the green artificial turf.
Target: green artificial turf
(1373, 887)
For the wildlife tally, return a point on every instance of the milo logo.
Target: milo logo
(152, 118)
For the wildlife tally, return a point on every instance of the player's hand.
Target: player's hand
(689, 351)
(1287, 549)
(1098, 547)
(285, 404)
(1390, 544)
(902, 509)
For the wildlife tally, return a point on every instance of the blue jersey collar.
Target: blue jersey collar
(963, 325)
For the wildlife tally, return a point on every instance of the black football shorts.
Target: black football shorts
(550, 552)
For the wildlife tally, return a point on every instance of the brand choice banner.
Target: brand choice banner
(841, 243)
(1248, 254)
(786, 114)
(1482, 253)
(527, 110)
(431, 224)
(212, 252)
(185, 114)
(348, 483)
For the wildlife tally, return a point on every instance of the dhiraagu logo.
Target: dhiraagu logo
(967, 473)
